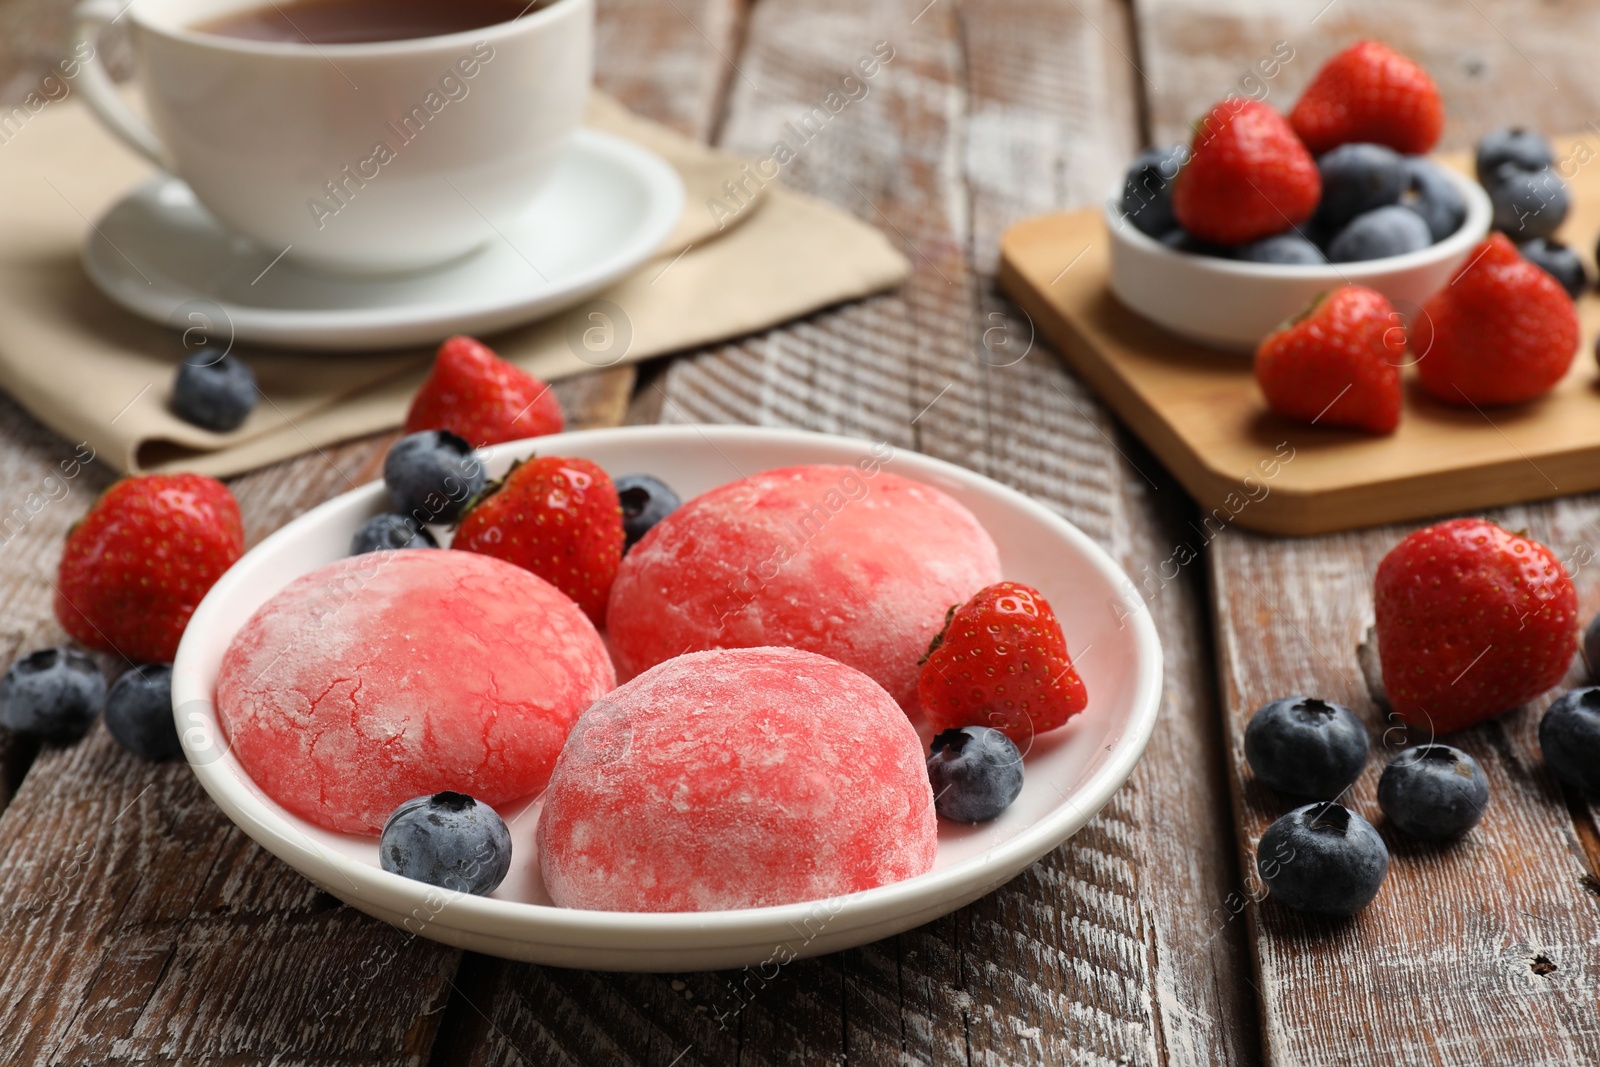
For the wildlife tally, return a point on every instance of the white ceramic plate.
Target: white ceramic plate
(1069, 773)
(605, 210)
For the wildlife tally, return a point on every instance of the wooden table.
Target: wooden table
(140, 927)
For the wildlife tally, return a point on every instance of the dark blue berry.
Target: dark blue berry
(1378, 234)
(139, 712)
(214, 391)
(1306, 747)
(449, 840)
(1528, 203)
(1283, 248)
(1147, 191)
(54, 693)
(975, 771)
(1322, 858)
(388, 532)
(1559, 261)
(1184, 241)
(1356, 178)
(1433, 791)
(432, 476)
(645, 502)
(1521, 148)
(1569, 735)
(1434, 196)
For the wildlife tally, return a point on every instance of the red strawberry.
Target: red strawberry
(1503, 331)
(1248, 176)
(475, 394)
(1001, 661)
(1370, 92)
(1472, 621)
(133, 571)
(558, 517)
(1338, 364)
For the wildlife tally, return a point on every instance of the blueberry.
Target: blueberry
(1382, 232)
(645, 502)
(1322, 858)
(432, 475)
(54, 693)
(1522, 148)
(1356, 178)
(214, 391)
(1433, 791)
(1559, 261)
(1569, 735)
(390, 531)
(1431, 194)
(1184, 241)
(139, 712)
(1284, 248)
(449, 840)
(1528, 203)
(975, 771)
(1147, 192)
(1306, 747)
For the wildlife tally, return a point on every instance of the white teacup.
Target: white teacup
(386, 156)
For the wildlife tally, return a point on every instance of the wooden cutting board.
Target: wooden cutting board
(1200, 411)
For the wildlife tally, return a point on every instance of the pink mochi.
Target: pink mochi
(392, 675)
(857, 566)
(736, 779)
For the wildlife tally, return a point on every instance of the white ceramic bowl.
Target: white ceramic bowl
(1229, 304)
(1071, 773)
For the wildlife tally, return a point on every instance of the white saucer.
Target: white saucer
(607, 208)
(1070, 773)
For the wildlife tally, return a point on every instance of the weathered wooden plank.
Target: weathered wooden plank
(1497, 62)
(1452, 964)
(1442, 966)
(987, 111)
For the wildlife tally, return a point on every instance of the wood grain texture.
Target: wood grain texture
(1497, 62)
(1488, 951)
(987, 111)
(1442, 966)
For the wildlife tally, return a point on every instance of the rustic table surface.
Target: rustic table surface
(137, 925)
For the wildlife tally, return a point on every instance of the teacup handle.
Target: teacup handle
(89, 18)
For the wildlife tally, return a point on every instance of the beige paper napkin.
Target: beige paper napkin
(96, 373)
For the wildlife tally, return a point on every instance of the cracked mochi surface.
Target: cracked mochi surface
(736, 779)
(823, 558)
(392, 675)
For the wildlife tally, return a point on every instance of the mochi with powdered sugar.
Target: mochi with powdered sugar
(857, 564)
(736, 779)
(392, 675)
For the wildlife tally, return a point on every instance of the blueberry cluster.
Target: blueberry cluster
(55, 694)
(1322, 857)
(1517, 168)
(431, 476)
(434, 476)
(1375, 203)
